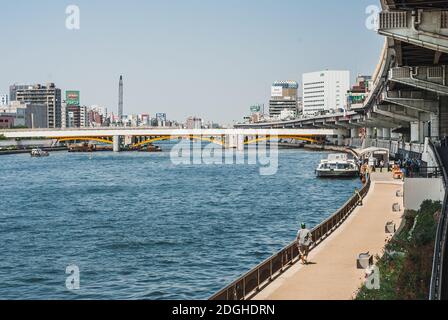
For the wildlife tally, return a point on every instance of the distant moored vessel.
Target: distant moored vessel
(38, 153)
(337, 166)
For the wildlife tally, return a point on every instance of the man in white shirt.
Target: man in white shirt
(304, 241)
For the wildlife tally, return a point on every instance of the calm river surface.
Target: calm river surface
(139, 227)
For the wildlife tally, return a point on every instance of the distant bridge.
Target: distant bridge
(230, 138)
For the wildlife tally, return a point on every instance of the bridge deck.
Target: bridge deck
(334, 274)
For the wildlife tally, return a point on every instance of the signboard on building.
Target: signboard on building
(72, 98)
(356, 98)
(277, 92)
(255, 109)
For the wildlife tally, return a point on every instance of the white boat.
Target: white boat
(38, 153)
(337, 166)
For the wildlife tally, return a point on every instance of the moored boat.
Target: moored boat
(39, 153)
(337, 166)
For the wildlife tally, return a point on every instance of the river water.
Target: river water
(140, 227)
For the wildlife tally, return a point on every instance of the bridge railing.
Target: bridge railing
(394, 20)
(440, 264)
(247, 286)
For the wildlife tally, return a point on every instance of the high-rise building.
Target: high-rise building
(36, 116)
(325, 91)
(71, 110)
(160, 119)
(6, 121)
(26, 114)
(120, 99)
(283, 98)
(4, 99)
(359, 92)
(145, 120)
(84, 117)
(14, 88)
(194, 123)
(47, 95)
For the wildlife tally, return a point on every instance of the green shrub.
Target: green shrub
(407, 276)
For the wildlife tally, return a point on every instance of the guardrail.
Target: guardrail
(394, 20)
(440, 265)
(426, 172)
(247, 286)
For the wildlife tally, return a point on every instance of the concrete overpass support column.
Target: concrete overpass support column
(117, 143)
(379, 133)
(341, 140)
(369, 137)
(435, 126)
(443, 116)
(417, 131)
(354, 135)
(386, 133)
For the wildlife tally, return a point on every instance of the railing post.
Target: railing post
(244, 289)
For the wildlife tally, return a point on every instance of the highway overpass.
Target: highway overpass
(408, 101)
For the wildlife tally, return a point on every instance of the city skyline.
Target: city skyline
(228, 54)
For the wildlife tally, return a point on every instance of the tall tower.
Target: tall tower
(120, 100)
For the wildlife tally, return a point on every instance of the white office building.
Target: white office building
(4, 99)
(325, 91)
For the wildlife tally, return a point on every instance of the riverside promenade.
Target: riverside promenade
(333, 274)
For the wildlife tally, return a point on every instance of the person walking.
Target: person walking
(304, 241)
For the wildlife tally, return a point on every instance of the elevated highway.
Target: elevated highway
(407, 105)
(408, 98)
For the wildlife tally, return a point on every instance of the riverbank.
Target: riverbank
(405, 270)
(333, 274)
(22, 151)
(317, 147)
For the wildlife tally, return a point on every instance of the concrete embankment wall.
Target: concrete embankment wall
(41, 143)
(316, 147)
(22, 151)
(417, 190)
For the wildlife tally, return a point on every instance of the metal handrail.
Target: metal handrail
(440, 245)
(427, 172)
(251, 283)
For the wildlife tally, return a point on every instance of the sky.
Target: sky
(206, 58)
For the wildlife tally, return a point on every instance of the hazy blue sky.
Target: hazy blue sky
(207, 58)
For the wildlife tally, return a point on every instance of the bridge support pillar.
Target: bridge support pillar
(368, 139)
(435, 125)
(417, 131)
(240, 142)
(341, 140)
(379, 133)
(386, 133)
(235, 141)
(117, 143)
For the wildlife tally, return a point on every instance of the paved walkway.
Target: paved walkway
(334, 274)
